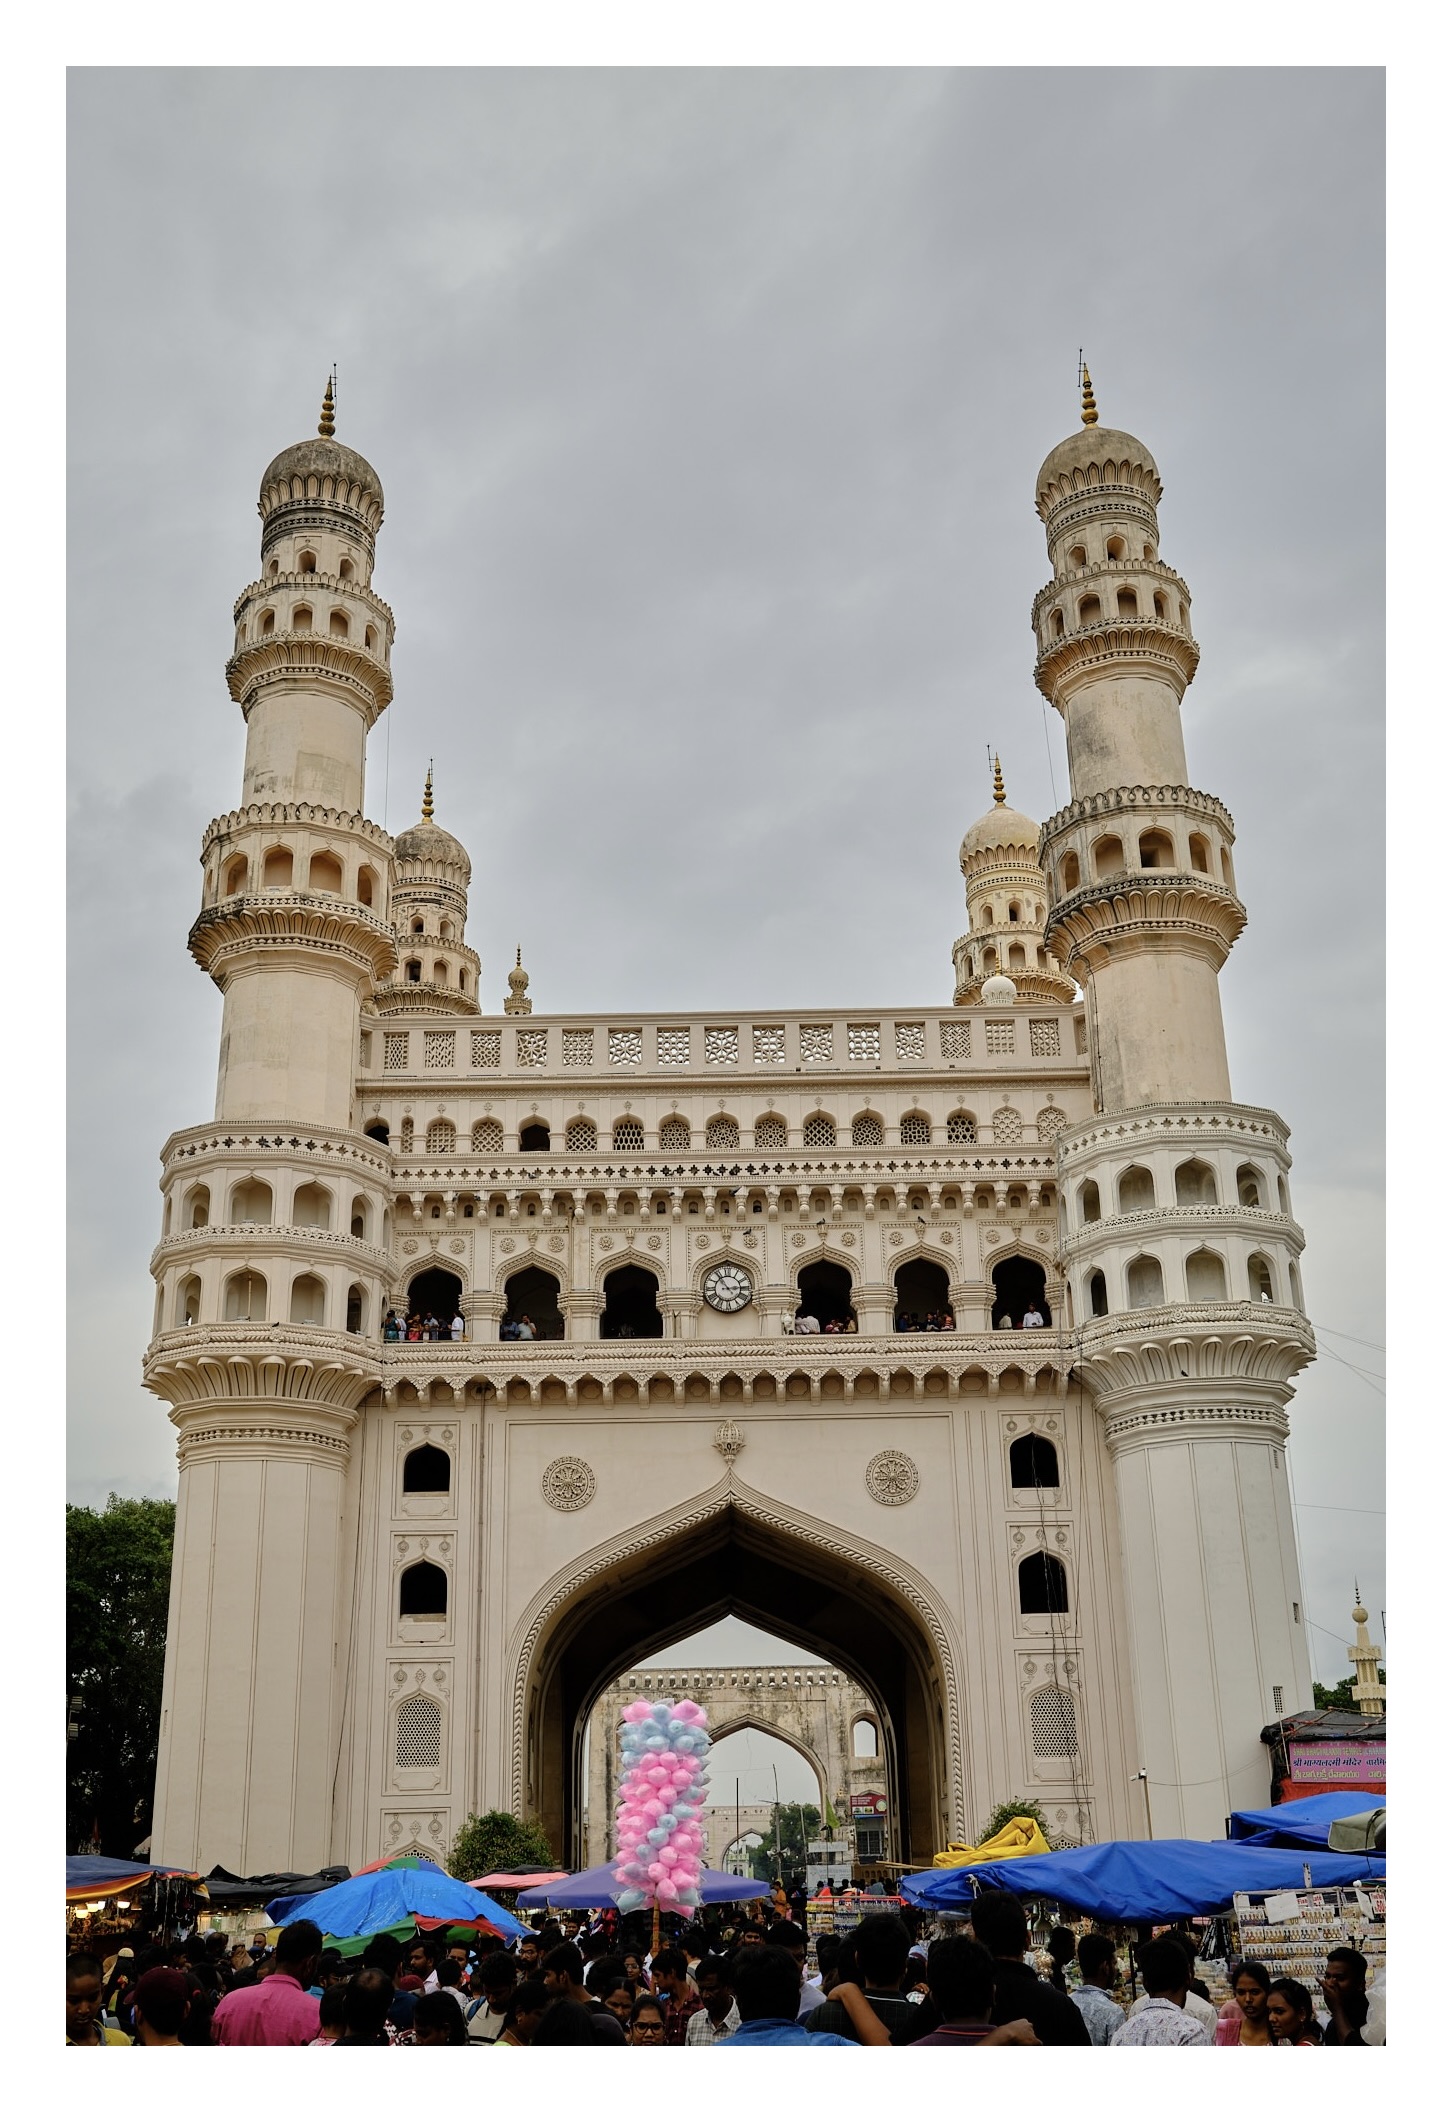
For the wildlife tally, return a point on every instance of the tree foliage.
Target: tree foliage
(1016, 1808)
(495, 1841)
(118, 1581)
(796, 1824)
(1339, 1696)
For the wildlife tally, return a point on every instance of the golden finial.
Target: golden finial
(325, 423)
(999, 795)
(1089, 413)
(428, 803)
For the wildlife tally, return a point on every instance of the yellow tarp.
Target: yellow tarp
(1018, 1837)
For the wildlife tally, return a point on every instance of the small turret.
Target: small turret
(1007, 905)
(1367, 1691)
(518, 984)
(436, 971)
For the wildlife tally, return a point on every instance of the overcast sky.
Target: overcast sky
(708, 408)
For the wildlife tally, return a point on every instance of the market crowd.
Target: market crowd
(729, 1979)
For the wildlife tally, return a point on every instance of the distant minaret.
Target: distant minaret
(518, 984)
(1007, 903)
(1367, 1692)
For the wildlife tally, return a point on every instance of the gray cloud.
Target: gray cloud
(708, 407)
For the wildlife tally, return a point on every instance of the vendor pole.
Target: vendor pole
(1149, 1824)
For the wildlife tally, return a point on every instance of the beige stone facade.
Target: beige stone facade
(407, 1571)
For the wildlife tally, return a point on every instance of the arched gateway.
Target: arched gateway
(735, 1552)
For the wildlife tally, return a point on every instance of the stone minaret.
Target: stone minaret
(999, 857)
(271, 1270)
(1367, 1690)
(436, 971)
(1179, 1245)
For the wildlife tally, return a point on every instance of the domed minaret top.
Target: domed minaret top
(518, 983)
(436, 971)
(1005, 889)
(1367, 1690)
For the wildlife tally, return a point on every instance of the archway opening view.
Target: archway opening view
(922, 1296)
(826, 1605)
(1020, 1294)
(435, 1295)
(630, 1305)
(798, 1756)
(532, 1308)
(825, 1292)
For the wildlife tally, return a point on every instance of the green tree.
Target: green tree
(1016, 1808)
(118, 1581)
(496, 1841)
(1339, 1696)
(796, 1824)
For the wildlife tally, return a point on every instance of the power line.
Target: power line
(1355, 1509)
(1341, 1336)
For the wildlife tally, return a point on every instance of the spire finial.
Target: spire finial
(428, 798)
(1089, 412)
(999, 795)
(325, 423)
(518, 984)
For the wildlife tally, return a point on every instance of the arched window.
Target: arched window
(1145, 1282)
(1013, 912)
(1054, 1731)
(423, 1592)
(866, 1129)
(962, 1127)
(628, 1134)
(1078, 557)
(1262, 1281)
(307, 561)
(366, 878)
(198, 1207)
(1089, 609)
(307, 1304)
(356, 1306)
(771, 1133)
(1069, 872)
(581, 1134)
(1017, 961)
(675, 1134)
(1043, 1585)
(441, 974)
(235, 879)
(268, 624)
(1126, 605)
(413, 971)
(325, 874)
(358, 1218)
(825, 1292)
(446, 931)
(1136, 1189)
(1195, 1183)
(630, 1305)
(922, 1291)
(1247, 1188)
(1058, 623)
(1115, 549)
(378, 1131)
(244, 1296)
(188, 1301)
(416, 928)
(439, 1138)
(1098, 1294)
(302, 617)
(1296, 1299)
(915, 1129)
(345, 568)
(532, 1294)
(337, 624)
(1284, 1193)
(273, 569)
(417, 1741)
(1019, 1289)
(427, 1471)
(1108, 857)
(251, 1203)
(866, 1744)
(1156, 849)
(986, 919)
(819, 1132)
(535, 1136)
(1199, 855)
(1160, 607)
(370, 639)
(1033, 1462)
(1205, 1277)
(1007, 1125)
(312, 1205)
(723, 1133)
(405, 1134)
(487, 1135)
(277, 869)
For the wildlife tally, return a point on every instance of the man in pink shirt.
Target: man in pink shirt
(279, 2011)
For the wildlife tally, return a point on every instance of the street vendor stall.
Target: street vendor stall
(1145, 1881)
(406, 1891)
(600, 1887)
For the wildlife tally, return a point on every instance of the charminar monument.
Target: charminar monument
(1051, 1542)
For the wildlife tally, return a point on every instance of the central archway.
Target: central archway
(735, 1552)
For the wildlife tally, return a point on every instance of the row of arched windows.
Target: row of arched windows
(1126, 606)
(300, 622)
(1156, 851)
(1194, 1182)
(722, 1133)
(245, 1296)
(250, 1202)
(412, 971)
(1206, 1283)
(278, 868)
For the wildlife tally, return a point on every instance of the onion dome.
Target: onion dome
(1096, 454)
(1002, 827)
(427, 844)
(998, 990)
(322, 468)
(518, 984)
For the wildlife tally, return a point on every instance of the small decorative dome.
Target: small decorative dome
(1001, 828)
(518, 984)
(427, 844)
(1096, 448)
(321, 457)
(998, 990)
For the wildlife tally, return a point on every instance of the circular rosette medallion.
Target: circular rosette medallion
(891, 1478)
(568, 1484)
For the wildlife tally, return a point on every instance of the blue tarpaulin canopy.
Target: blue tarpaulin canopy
(600, 1887)
(1304, 1822)
(381, 1899)
(1143, 1880)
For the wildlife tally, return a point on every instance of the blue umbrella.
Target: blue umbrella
(601, 1888)
(1144, 1880)
(380, 1899)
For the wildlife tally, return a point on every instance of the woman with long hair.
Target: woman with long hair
(527, 2005)
(1291, 2014)
(1243, 2018)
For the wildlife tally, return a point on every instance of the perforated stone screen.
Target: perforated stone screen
(578, 1048)
(816, 1043)
(771, 1133)
(1055, 1732)
(629, 1135)
(439, 1137)
(962, 1129)
(998, 1036)
(955, 1039)
(867, 1130)
(1052, 1123)
(818, 1131)
(580, 1135)
(395, 1052)
(675, 1134)
(722, 1134)
(1044, 1037)
(721, 1045)
(768, 1044)
(484, 1050)
(438, 1052)
(420, 1722)
(625, 1044)
(487, 1135)
(531, 1046)
(912, 1040)
(916, 1129)
(672, 1045)
(1007, 1125)
(864, 1044)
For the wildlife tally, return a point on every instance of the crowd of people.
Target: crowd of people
(809, 1324)
(422, 1327)
(943, 1323)
(729, 1979)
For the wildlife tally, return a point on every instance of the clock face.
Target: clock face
(727, 1288)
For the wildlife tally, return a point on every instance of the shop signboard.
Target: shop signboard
(1337, 1763)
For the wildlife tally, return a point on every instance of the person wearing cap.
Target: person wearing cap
(163, 1997)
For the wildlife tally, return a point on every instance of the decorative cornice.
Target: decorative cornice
(522, 1170)
(401, 1000)
(295, 920)
(1132, 907)
(1182, 1217)
(291, 656)
(1172, 1345)
(258, 590)
(310, 1147)
(1133, 645)
(1132, 799)
(1112, 568)
(342, 1244)
(1186, 1118)
(274, 814)
(1098, 480)
(320, 1373)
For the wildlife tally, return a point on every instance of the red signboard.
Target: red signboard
(869, 1805)
(1335, 1763)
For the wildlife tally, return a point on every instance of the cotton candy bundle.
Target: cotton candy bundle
(659, 1837)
